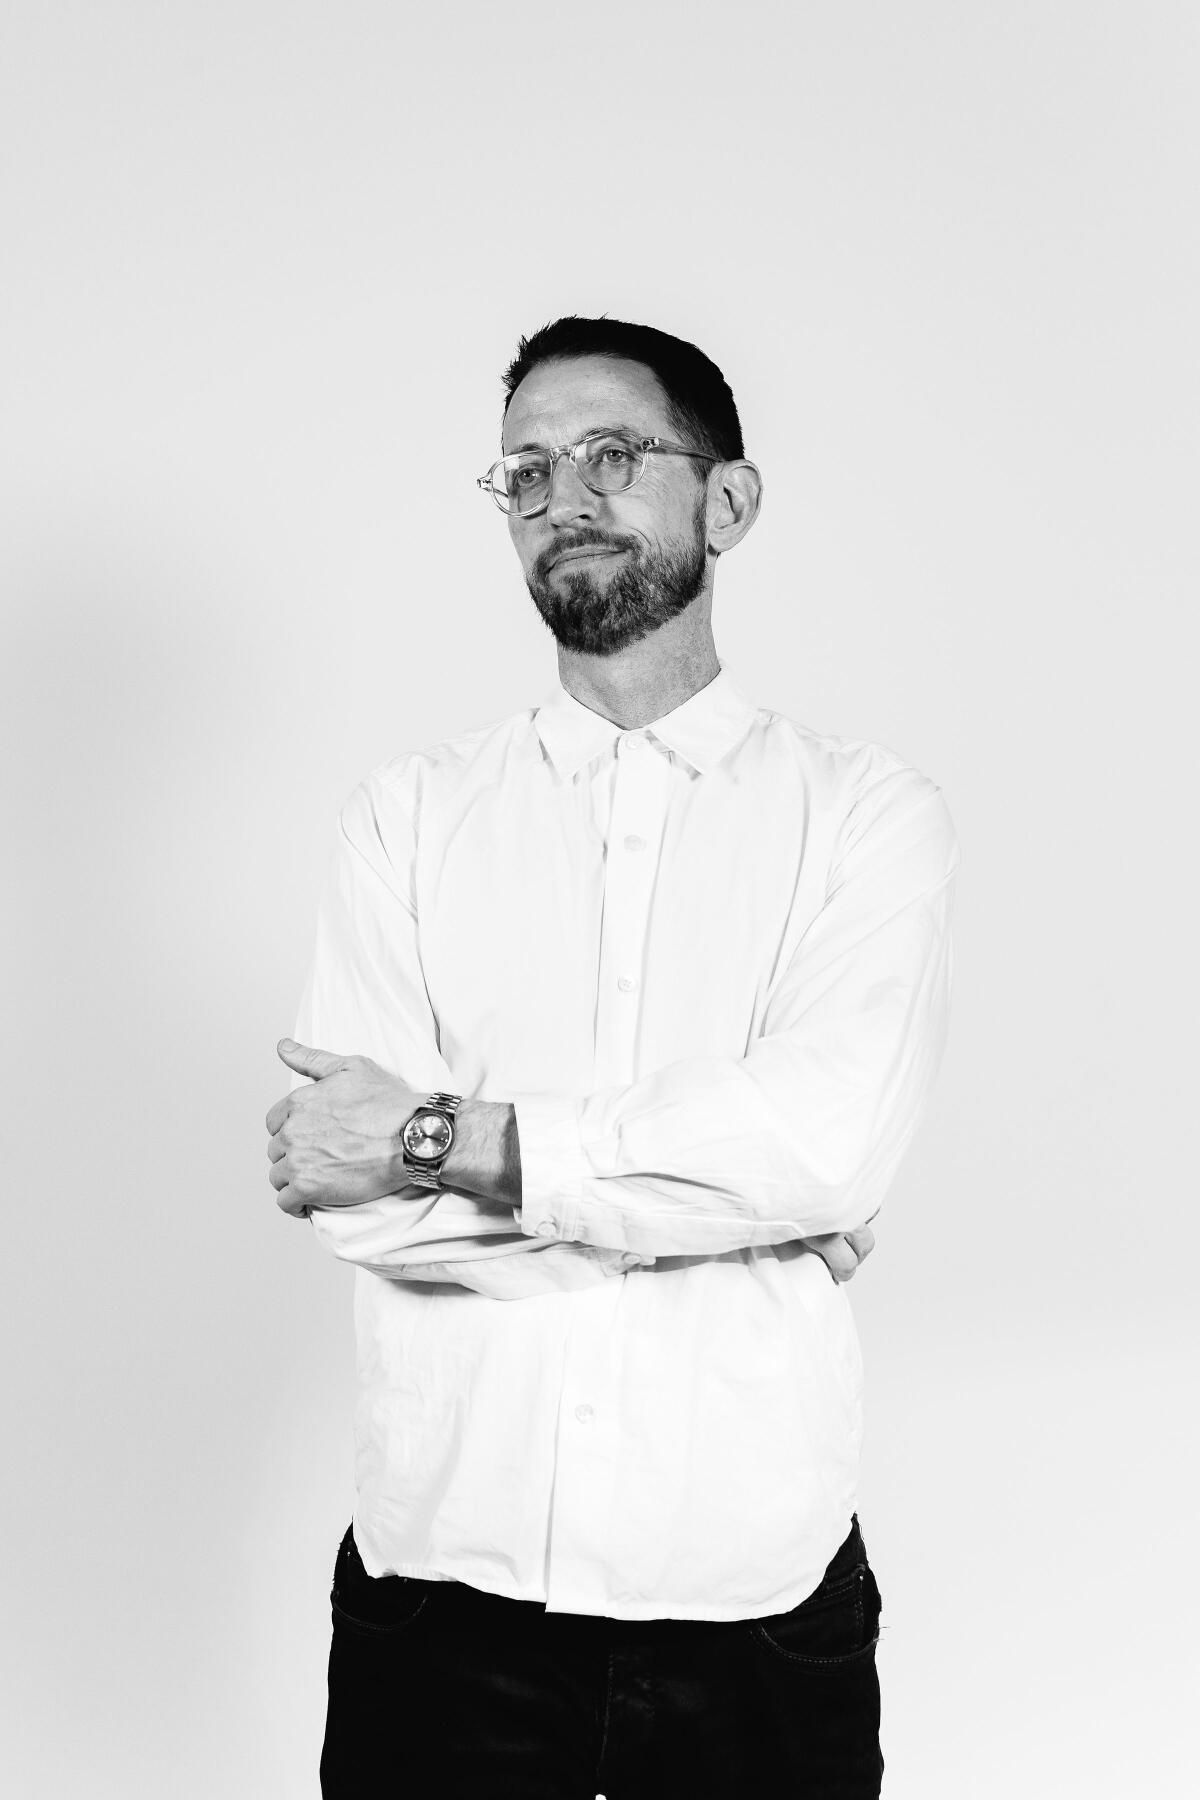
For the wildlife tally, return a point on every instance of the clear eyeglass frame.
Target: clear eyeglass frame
(544, 461)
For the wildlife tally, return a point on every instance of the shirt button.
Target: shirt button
(585, 1413)
(633, 842)
(546, 1228)
(627, 983)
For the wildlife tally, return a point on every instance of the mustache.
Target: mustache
(584, 539)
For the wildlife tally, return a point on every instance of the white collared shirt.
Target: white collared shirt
(709, 963)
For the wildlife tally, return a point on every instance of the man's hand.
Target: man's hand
(842, 1251)
(337, 1142)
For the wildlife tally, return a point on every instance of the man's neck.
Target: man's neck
(638, 685)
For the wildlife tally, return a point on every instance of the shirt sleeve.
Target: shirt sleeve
(366, 996)
(804, 1133)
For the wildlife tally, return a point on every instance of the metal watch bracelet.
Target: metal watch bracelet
(432, 1177)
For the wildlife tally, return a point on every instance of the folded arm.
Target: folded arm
(796, 1141)
(801, 1136)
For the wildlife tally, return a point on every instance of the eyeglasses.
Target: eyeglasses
(607, 462)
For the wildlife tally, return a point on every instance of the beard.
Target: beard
(601, 614)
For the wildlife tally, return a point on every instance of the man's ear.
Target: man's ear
(734, 498)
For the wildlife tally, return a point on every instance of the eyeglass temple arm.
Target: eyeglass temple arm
(678, 450)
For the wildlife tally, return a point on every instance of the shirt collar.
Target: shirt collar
(702, 730)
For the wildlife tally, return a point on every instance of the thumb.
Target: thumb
(315, 1063)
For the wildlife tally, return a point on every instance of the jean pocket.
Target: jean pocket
(373, 1605)
(836, 1625)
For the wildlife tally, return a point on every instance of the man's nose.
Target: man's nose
(570, 498)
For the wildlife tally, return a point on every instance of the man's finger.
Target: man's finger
(306, 1061)
(841, 1260)
(837, 1255)
(278, 1114)
(861, 1241)
(286, 1204)
(275, 1150)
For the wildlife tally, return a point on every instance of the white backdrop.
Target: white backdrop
(263, 264)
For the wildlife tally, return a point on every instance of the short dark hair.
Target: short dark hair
(699, 398)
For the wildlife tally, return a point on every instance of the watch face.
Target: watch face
(427, 1136)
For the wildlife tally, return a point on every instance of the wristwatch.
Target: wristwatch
(427, 1137)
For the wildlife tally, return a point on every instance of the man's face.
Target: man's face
(606, 570)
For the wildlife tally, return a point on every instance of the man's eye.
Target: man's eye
(525, 477)
(613, 452)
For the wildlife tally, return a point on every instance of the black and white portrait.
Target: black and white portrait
(597, 747)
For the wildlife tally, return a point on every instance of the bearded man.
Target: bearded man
(622, 1015)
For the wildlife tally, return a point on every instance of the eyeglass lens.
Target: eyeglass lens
(606, 463)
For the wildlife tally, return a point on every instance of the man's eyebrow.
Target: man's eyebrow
(588, 431)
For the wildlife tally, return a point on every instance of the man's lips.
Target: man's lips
(584, 550)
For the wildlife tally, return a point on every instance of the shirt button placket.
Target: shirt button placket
(638, 808)
(586, 1463)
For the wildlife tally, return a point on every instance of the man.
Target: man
(642, 992)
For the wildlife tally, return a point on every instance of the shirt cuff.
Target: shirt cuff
(552, 1165)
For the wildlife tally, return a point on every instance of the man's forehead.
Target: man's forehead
(557, 399)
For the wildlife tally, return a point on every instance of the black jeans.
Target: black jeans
(439, 1690)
